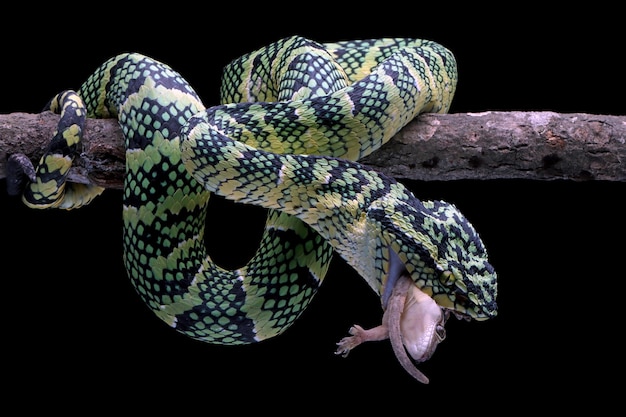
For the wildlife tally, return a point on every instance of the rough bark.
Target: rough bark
(480, 146)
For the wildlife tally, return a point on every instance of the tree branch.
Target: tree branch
(489, 145)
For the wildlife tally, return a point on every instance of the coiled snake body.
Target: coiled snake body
(296, 116)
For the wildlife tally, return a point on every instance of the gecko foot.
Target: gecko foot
(345, 345)
(359, 335)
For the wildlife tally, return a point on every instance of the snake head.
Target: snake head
(442, 253)
(465, 281)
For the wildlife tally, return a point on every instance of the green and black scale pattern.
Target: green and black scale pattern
(286, 105)
(48, 188)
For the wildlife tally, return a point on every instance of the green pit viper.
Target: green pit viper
(295, 117)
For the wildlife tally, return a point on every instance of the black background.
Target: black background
(74, 329)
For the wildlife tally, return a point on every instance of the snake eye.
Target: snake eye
(447, 278)
(441, 332)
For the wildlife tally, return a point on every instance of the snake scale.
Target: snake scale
(295, 118)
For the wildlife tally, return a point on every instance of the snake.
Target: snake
(294, 119)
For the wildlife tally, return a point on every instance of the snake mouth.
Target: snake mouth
(461, 316)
